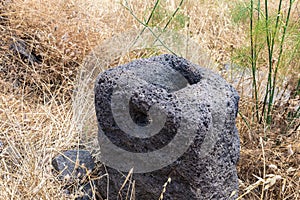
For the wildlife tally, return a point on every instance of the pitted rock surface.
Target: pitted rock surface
(203, 98)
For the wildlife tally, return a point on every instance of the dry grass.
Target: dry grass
(32, 135)
(38, 118)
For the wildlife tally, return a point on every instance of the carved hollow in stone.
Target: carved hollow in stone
(167, 118)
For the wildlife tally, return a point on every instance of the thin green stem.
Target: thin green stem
(270, 58)
(146, 24)
(272, 86)
(152, 12)
(171, 18)
(173, 15)
(253, 60)
(148, 20)
(279, 58)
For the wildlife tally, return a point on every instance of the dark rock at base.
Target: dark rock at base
(87, 190)
(21, 48)
(66, 165)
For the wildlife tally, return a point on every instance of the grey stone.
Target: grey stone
(21, 48)
(188, 99)
(87, 191)
(66, 166)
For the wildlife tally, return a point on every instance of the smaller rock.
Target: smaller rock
(20, 47)
(87, 191)
(73, 164)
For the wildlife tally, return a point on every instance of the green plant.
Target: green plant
(162, 17)
(240, 12)
(159, 15)
(270, 36)
(268, 32)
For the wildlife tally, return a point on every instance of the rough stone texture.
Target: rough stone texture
(196, 174)
(66, 166)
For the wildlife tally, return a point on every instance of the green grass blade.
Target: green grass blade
(253, 59)
(279, 58)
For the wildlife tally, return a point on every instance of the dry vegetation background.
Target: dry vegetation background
(42, 48)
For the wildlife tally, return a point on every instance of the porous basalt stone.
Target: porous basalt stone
(204, 99)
